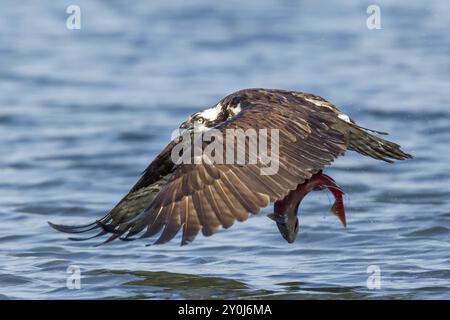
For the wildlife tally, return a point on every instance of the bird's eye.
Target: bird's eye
(200, 120)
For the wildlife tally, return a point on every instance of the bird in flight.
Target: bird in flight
(203, 197)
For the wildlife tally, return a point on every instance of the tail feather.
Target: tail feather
(367, 144)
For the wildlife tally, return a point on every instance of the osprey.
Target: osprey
(170, 197)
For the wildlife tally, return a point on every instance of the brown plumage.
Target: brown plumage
(197, 198)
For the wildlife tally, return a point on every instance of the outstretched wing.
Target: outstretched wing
(155, 176)
(205, 197)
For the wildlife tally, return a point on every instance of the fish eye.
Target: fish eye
(200, 120)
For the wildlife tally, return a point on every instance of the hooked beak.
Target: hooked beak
(185, 127)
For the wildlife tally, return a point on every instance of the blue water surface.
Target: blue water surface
(82, 112)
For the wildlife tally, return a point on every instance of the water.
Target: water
(84, 111)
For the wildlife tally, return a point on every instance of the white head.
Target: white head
(210, 117)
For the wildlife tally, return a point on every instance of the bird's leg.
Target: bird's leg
(285, 210)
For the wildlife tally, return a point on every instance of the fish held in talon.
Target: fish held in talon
(286, 210)
(307, 133)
